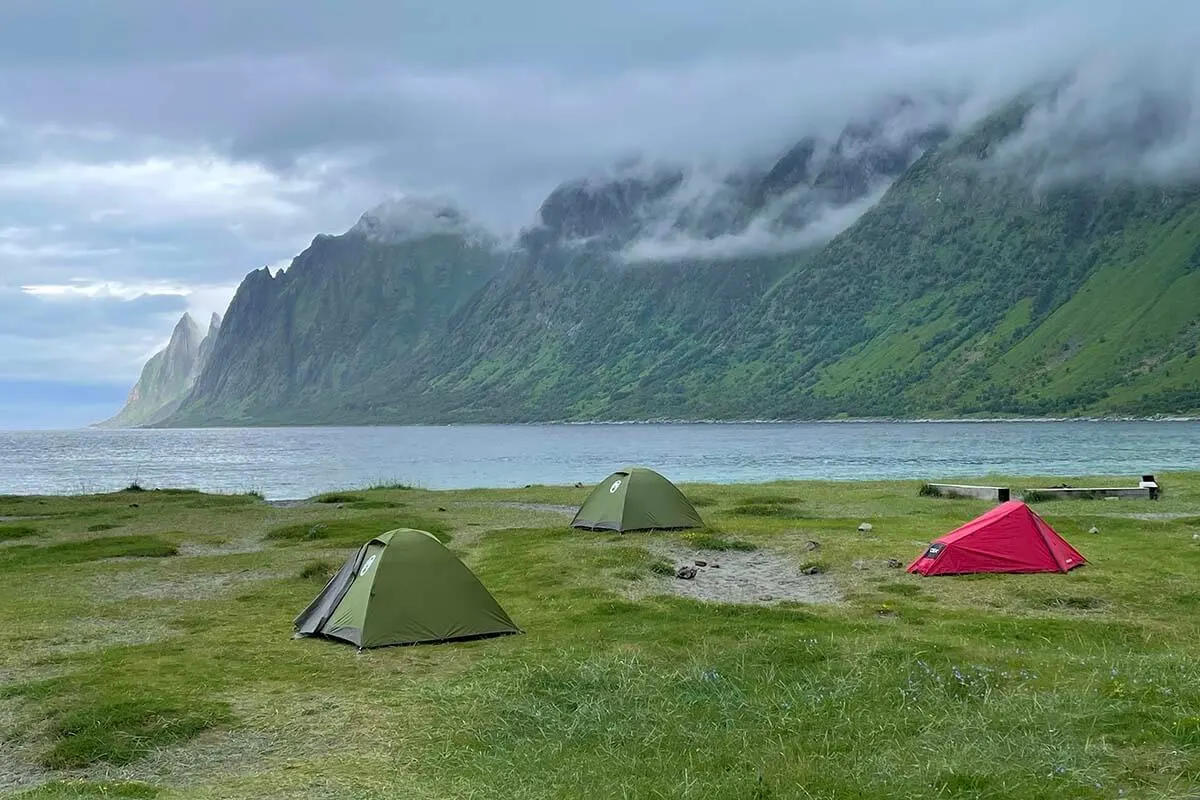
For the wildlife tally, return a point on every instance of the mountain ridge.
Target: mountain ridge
(966, 288)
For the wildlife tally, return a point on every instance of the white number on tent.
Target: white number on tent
(367, 565)
(616, 485)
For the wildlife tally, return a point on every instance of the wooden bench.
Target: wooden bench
(1134, 492)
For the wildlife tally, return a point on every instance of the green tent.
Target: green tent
(403, 587)
(636, 499)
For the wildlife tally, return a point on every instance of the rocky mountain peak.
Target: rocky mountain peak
(611, 204)
(185, 327)
(410, 217)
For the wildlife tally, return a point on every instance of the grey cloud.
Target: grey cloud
(27, 315)
(1121, 120)
(577, 37)
(95, 207)
(760, 237)
(99, 339)
(495, 122)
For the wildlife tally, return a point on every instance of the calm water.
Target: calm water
(285, 463)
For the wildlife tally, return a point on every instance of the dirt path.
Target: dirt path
(759, 577)
(1167, 515)
(545, 508)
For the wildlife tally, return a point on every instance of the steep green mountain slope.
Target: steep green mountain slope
(970, 288)
(308, 344)
(591, 340)
(965, 292)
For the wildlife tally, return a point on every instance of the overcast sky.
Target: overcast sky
(154, 151)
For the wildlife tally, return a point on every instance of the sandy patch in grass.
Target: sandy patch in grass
(290, 503)
(17, 770)
(545, 508)
(245, 544)
(759, 577)
(1167, 515)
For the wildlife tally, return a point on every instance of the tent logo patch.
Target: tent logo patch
(615, 485)
(367, 565)
(935, 550)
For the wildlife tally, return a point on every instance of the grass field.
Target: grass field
(146, 652)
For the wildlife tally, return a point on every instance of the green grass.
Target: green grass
(9, 531)
(137, 546)
(90, 790)
(767, 506)
(709, 541)
(125, 730)
(352, 530)
(661, 566)
(337, 497)
(178, 677)
(321, 570)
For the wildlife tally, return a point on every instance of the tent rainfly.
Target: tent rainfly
(636, 499)
(403, 587)
(1009, 538)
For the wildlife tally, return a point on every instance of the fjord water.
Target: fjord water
(284, 463)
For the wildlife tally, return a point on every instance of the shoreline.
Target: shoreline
(1158, 418)
(1016, 482)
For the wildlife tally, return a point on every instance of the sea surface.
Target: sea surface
(287, 463)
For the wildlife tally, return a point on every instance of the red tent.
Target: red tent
(1009, 538)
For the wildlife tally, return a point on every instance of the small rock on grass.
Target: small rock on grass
(685, 573)
(810, 545)
(814, 570)
(865, 527)
(895, 563)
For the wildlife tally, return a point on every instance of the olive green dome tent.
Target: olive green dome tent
(403, 587)
(636, 499)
